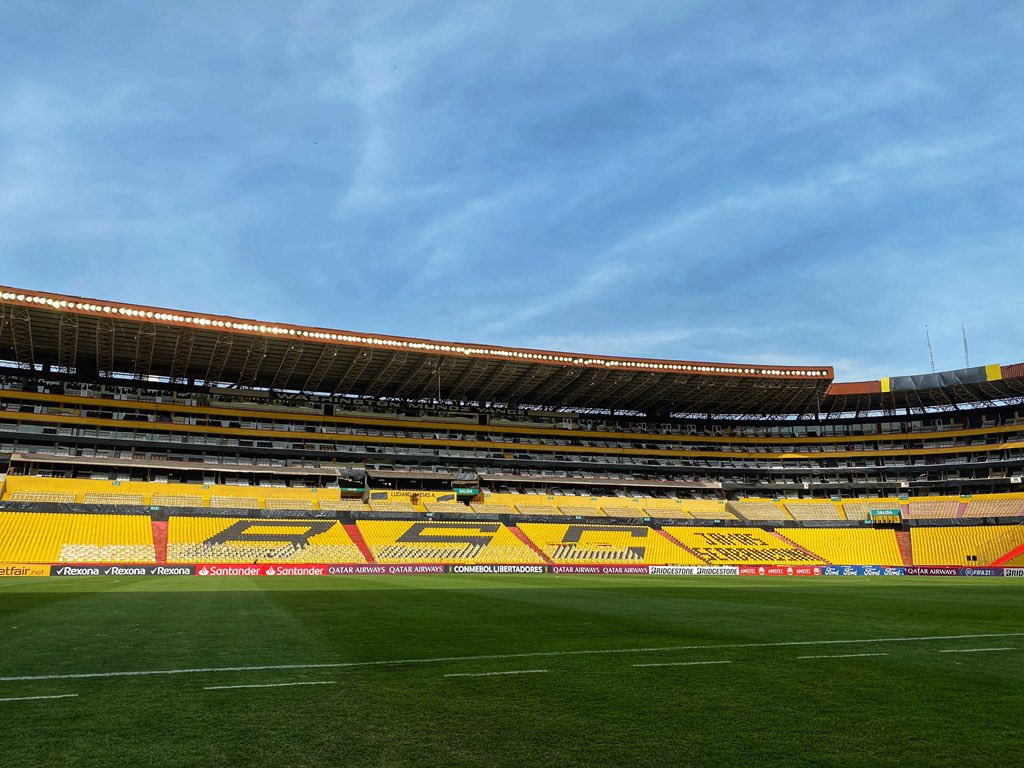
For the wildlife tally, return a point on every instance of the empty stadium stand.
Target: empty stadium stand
(595, 543)
(28, 537)
(735, 546)
(668, 462)
(395, 541)
(863, 546)
(249, 540)
(963, 545)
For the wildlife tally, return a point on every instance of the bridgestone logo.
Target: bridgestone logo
(1018, 572)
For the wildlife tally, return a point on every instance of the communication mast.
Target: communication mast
(963, 333)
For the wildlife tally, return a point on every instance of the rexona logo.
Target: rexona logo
(119, 570)
(74, 570)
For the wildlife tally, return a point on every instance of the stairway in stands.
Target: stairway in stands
(678, 543)
(794, 545)
(357, 538)
(906, 550)
(160, 540)
(526, 540)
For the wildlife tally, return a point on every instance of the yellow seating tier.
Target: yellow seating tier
(33, 537)
(402, 541)
(859, 546)
(953, 545)
(251, 540)
(592, 543)
(735, 546)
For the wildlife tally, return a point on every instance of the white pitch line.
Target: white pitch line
(843, 656)
(975, 650)
(488, 674)
(35, 698)
(269, 685)
(681, 663)
(490, 656)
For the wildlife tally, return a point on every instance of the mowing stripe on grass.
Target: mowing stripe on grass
(36, 698)
(843, 656)
(489, 656)
(268, 685)
(681, 663)
(975, 650)
(488, 674)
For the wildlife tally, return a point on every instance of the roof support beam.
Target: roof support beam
(289, 361)
(462, 388)
(254, 358)
(105, 345)
(21, 330)
(391, 367)
(320, 368)
(352, 373)
(499, 379)
(182, 354)
(423, 374)
(67, 341)
(144, 342)
(218, 359)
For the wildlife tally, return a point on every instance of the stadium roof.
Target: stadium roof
(48, 331)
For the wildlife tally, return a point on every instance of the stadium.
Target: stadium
(520, 555)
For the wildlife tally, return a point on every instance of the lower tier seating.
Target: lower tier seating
(954, 545)
(735, 546)
(859, 546)
(248, 540)
(401, 541)
(32, 537)
(592, 543)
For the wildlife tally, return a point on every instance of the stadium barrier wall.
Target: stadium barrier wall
(378, 569)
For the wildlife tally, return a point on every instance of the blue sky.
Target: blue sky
(804, 182)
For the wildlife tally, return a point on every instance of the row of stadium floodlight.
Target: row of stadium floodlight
(426, 346)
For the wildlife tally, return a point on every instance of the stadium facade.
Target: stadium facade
(167, 436)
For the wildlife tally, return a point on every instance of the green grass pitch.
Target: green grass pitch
(611, 671)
